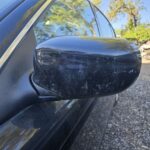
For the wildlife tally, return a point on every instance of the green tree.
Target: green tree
(96, 2)
(141, 34)
(66, 17)
(131, 8)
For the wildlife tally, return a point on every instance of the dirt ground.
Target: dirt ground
(123, 126)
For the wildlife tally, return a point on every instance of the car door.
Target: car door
(25, 123)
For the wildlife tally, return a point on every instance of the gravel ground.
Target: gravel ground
(126, 124)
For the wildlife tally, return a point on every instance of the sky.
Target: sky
(121, 21)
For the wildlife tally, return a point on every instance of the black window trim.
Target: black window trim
(91, 5)
(113, 30)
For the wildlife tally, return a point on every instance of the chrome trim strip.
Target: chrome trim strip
(20, 36)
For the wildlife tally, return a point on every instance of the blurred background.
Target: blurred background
(130, 19)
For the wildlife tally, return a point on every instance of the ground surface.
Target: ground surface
(126, 126)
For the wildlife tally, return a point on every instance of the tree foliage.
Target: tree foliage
(66, 17)
(96, 2)
(129, 7)
(141, 33)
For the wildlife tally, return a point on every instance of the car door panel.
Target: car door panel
(16, 91)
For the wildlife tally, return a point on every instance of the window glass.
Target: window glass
(66, 17)
(105, 28)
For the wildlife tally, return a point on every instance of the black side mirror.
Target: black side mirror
(82, 67)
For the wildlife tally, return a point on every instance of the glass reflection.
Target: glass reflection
(66, 17)
(106, 30)
(16, 132)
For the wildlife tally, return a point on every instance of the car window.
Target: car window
(104, 25)
(71, 18)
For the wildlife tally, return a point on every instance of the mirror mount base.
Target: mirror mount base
(43, 94)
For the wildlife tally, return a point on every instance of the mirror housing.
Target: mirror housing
(71, 67)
